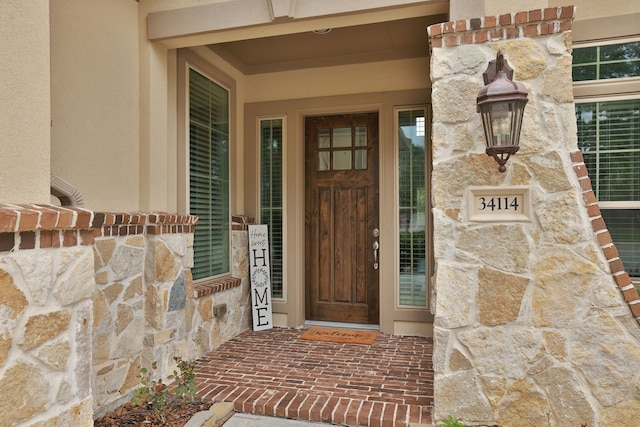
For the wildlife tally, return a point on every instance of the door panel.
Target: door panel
(341, 214)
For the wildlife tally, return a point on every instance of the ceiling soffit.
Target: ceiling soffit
(243, 19)
(382, 41)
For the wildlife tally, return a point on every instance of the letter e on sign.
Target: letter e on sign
(259, 270)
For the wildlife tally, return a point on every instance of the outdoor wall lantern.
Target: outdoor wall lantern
(501, 104)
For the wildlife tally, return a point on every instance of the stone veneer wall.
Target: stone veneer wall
(534, 321)
(86, 298)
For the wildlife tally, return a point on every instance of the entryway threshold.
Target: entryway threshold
(341, 325)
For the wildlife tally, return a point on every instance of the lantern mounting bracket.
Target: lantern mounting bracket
(494, 66)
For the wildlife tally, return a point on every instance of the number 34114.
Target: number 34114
(498, 203)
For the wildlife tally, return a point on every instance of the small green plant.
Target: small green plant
(452, 422)
(158, 396)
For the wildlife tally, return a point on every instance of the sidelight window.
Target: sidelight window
(412, 209)
(271, 149)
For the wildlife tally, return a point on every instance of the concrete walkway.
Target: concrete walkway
(250, 420)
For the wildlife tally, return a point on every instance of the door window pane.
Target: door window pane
(412, 207)
(342, 137)
(361, 159)
(323, 161)
(324, 138)
(361, 136)
(341, 160)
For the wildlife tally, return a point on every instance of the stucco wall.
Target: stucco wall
(95, 100)
(536, 322)
(24, 101)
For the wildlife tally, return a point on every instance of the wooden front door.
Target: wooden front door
(341, 218)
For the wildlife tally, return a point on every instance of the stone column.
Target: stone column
(46, 284)
(531, 328)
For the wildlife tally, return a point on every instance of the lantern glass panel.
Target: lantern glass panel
(502, 122)
(501, 118)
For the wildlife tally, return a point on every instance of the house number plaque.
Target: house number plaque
(498, 204)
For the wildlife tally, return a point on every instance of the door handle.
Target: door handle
(376, 246)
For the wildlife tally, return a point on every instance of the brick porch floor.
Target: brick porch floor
(274, 372)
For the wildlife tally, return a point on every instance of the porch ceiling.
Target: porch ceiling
(383, 41)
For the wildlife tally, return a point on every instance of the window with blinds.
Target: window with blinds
(609, 137)
(209, 175)
(412, 207)
(271, 148)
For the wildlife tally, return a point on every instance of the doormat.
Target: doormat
(347, 336)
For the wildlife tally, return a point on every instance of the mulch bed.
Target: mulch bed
(130, 415)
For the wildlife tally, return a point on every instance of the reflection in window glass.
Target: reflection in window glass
(412, 207)
(324, 138)
(606, 61)
(323, 161)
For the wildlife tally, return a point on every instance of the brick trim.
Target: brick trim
(30, 226)
(241, 222)
(530, 23)
(213, 286)
(621, 277)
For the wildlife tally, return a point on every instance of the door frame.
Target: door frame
(290, 311)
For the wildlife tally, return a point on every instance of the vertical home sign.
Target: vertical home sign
(260, 277)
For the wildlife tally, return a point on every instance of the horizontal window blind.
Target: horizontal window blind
(412, 207)
(609, 137)
(271, 197)
(624, 226)
(209, 174)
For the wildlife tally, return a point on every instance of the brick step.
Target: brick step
(275, 373)
(320, 408)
